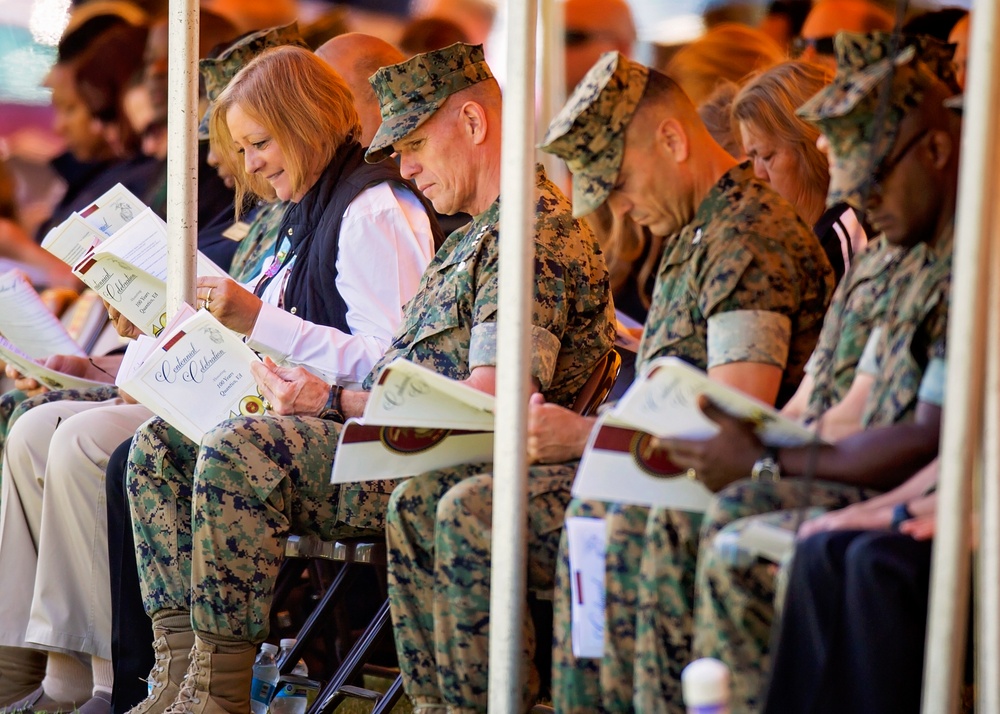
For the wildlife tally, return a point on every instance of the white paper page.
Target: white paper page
(114, 209)
(587, 542)
(43, 375)
(198, 378)
(135, 354)
(371, 453)
(143, 243)
(622, 465)
(410, 395)
(26, 322)
(664, 402)
(71, 239)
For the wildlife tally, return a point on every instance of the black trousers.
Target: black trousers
(852, 632)
(131, 630)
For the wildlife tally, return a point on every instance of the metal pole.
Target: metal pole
(553, 90)
(963, 424)
(182, 153)
(516, 289)
(987, 614)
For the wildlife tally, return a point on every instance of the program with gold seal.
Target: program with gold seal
(623, 461)
(195, 375)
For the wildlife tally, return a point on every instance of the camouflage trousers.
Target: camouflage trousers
(210, 523)
(605, 685)
(439, 530)
(735, 597)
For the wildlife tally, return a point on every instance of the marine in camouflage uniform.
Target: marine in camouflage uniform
(743, 281)
(258, 479)
(735, 593)
(439, 523)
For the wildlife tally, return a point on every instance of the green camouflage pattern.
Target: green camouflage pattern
(589, 131)
(735, 595)
(915, 331)
(212, 543)
(410, 92)
(858, 305)
(217, 72)
(457, 300)
(745, 249)
(439, 529)
(846, 109)
(258, 246)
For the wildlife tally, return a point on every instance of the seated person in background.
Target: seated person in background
(827, 18)
(896, 393)
(255, 480)
(378, 211)
(91, 165)
(633, 139)
(783, 150)
(854, 615)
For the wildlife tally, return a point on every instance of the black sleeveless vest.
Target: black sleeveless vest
(313, 228)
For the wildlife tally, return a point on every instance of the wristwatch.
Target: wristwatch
(767, 468)
(900, 514)
(332, 411)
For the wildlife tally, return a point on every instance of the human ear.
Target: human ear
(474, 121)
(940, 147)
(671, 136)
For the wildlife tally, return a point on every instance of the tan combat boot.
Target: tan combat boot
(21, 673)
(216, 682)
(173, 640)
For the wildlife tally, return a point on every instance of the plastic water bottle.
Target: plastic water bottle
(300, 669)
(705, 687)
(265, 677)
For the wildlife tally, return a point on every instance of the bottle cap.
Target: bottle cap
(288, 642)
(268, 647)
(704, 682)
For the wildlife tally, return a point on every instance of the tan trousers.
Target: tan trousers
(55, 592)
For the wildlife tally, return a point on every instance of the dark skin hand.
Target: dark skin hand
(877, 458)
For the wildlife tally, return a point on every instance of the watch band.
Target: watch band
(767, 467)
(900, 515)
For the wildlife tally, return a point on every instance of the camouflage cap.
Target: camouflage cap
(411, 91)
(845, 111)
(216, 72)
(589, 132)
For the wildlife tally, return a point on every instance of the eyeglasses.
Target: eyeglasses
(575, 38)
(889, 165)
(819, 45)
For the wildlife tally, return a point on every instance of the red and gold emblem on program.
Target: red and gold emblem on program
(651, 458)
(410, 440)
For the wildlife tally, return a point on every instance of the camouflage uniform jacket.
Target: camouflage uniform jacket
(859, 304)
(450, 324)
(914, 332)
(745, 249)
(259, 243)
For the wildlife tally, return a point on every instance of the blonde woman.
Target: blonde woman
(784, 153)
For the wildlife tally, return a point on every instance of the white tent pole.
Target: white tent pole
(513, 385)
(182, 152)
(963, 416)
(987, 614)
(552, 54)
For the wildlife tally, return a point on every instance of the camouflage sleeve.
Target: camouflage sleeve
(544, 350)
(548, 313)
(932, 384)
(869, 362)
(748, 336)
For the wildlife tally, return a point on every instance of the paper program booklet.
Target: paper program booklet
(195, 375)
(129, 270)
(622, 462)
(415, 421)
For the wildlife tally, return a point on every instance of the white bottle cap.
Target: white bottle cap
(268, 647)
(705, 682)
(288, 643)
